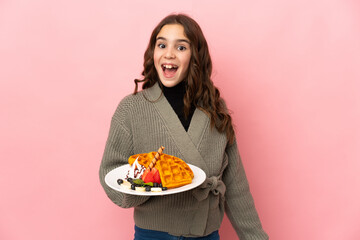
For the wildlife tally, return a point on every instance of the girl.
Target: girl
(181, 109)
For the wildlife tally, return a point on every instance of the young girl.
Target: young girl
(181, 109)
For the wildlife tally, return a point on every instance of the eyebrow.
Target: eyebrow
(177, 40)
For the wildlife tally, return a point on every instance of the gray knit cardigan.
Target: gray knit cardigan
(144, 122)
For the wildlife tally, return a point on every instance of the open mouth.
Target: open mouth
(169, 69)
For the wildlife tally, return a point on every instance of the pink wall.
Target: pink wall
(289, 70)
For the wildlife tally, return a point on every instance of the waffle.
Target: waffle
(173, 171)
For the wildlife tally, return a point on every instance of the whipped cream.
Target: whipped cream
(136, 170)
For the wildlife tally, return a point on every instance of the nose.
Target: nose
(170, 53)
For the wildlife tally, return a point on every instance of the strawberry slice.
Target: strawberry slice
(156, 175)
(145, 173)
(147, 176)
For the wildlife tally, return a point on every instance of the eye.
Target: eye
(161, 45)
(181, 48)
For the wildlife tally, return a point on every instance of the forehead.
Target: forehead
(172, 32)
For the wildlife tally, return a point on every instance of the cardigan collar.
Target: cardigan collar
(187, 141)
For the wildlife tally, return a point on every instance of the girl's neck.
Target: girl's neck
(178, 90)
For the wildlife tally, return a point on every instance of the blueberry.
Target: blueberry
(156, 184)
(147, 188)
(164, 188)
(120, 181)
(160, 185)
(133, 186)
(130, 180)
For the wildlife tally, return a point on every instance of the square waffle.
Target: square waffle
(173, 171)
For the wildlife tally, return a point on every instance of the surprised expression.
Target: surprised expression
(172, 54)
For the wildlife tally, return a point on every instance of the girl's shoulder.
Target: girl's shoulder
(136, 102)
(133, 101)
(133, 98)
(128, 106)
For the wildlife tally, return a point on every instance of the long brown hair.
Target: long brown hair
(200, 90)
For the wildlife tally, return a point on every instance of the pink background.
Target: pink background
(289, 71)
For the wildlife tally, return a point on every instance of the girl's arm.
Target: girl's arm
(239, 203)
(117, 151)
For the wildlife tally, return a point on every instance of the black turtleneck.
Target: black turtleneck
(175, 96)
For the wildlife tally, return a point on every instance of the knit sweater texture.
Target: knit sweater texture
(145, 121)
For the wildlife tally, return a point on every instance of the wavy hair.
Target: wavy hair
(200, 90)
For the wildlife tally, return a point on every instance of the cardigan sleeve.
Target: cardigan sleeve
(239, 203)
(117, 151)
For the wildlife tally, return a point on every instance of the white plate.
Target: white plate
(120, 172)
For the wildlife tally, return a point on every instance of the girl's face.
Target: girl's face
(172, 54)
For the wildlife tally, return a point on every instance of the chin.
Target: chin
(170, 83)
